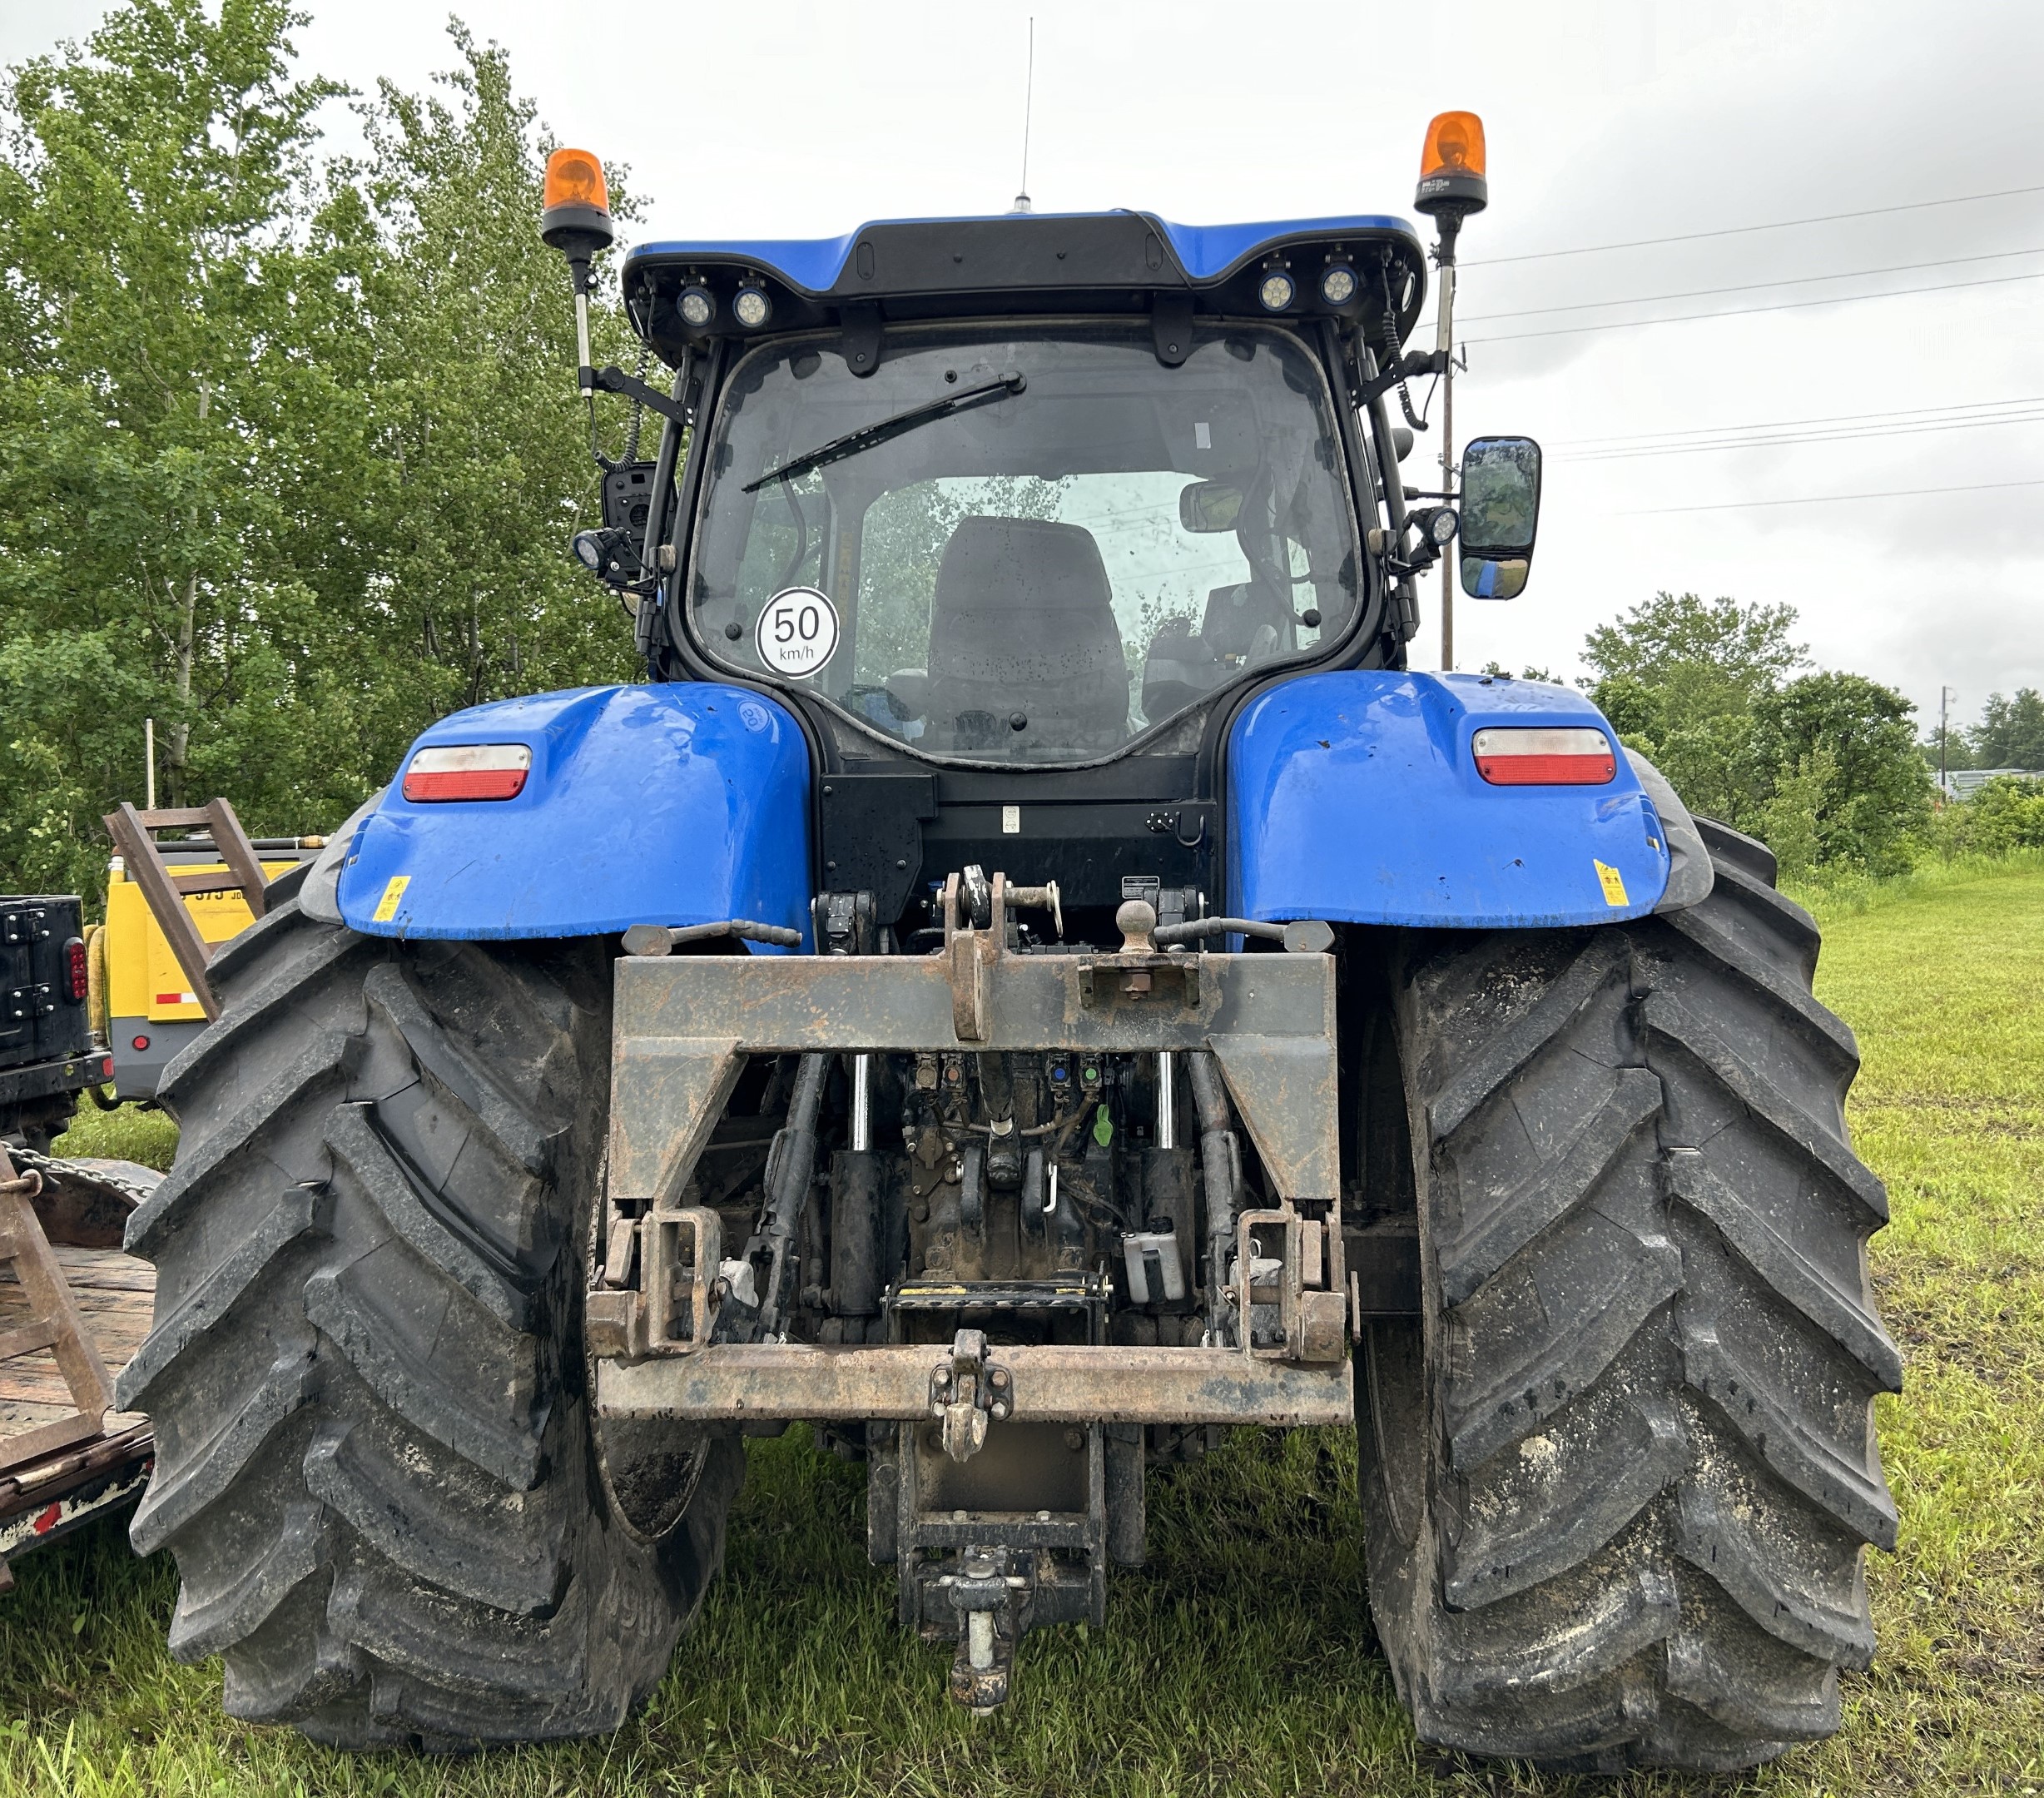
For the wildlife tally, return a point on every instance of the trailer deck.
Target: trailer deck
(44, 1495)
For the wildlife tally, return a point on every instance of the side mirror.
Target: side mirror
(1208, 506)
(1501, 502)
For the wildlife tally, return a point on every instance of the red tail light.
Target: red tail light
(468, 771)
(77, 971)
(1549, 757)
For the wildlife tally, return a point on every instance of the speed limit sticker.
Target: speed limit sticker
(797, 631)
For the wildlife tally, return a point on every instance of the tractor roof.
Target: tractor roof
(1022, 262)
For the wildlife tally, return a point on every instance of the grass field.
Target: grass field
(1241, 1660)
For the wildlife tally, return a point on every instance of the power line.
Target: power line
(1786, 306)
(1898, 493)
(1741, 230)
(1863, 433)
(1833, 417)
(1786, 281)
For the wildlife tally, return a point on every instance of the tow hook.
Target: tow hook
(982, 1587)
(967, 1393)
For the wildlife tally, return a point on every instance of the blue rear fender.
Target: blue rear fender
(1356, 798)
(675, 804)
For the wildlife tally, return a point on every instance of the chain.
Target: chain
(57, 1168)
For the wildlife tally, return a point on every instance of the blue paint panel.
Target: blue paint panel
(808, 264)
(680, 804)
(1355, 797)
(1209, 251)
(1206, 252)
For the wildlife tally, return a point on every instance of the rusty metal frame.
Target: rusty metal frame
(684, 1027)
(1048, 1382)
(678, 1277)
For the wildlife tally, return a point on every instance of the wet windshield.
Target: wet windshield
(1086, 544)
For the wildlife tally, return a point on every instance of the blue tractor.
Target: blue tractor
(1031, 978)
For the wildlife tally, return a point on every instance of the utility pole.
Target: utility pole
(1944, 697)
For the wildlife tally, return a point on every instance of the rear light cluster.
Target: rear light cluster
(468, 771)
(1547, 758)
(77, 971)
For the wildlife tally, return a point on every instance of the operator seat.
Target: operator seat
(1245, 624)
(1022, 623)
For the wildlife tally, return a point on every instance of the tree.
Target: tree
(289, 454)
(482, 443)
(1842, 748)
(2011, 732)
(2004, 814)
(1824, 766)
(165, 333)
(1677, 637)
(1679, 676)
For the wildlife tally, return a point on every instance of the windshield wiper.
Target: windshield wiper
(853, 443)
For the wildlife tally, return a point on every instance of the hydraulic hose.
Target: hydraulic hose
(790, 1166)
(1216, 1161)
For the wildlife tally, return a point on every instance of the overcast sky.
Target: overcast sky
(1608, 121)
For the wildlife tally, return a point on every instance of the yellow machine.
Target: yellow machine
(143, 1002)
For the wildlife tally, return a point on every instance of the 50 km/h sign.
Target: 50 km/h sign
(797, 631)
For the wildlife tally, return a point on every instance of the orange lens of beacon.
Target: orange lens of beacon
(1454, 146)
(574, 177)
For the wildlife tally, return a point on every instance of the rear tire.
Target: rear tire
(376, 1464)
(1619, 1477)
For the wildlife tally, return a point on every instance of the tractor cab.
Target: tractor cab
(1014, 513)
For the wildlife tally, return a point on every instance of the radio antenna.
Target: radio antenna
(1029, 99)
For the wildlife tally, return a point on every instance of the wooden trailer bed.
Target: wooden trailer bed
(43, 1495)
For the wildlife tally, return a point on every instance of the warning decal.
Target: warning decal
(1612, 881)
(387, 907)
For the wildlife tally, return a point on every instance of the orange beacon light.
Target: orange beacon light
(1451, 166)
(574, 215)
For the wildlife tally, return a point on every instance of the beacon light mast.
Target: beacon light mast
(1452, 186)
(574, 219)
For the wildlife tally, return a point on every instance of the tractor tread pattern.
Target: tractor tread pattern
(373, 1463)
(1654, 1350)
(296, 1212)
(205, 1626)
(484, 1546)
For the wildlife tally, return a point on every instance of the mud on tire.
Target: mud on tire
(1618, 1478)
(374, 1462)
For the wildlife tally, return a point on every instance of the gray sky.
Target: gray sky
(1608, 121)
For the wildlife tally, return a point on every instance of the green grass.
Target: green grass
(130, 1133)
(1241, 1660)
